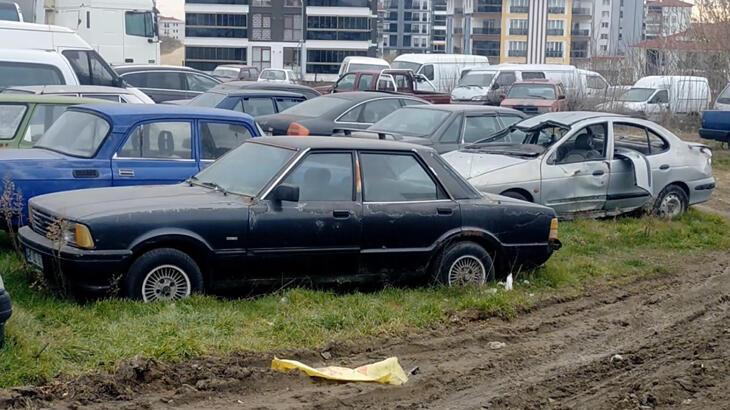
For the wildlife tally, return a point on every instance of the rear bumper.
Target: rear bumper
(716, 135)
(529, 256)
(700, 190)
(68, 268)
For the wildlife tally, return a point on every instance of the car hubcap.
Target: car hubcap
(467, 270)
(166, 282)
(671, 206)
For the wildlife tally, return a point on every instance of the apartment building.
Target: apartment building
(171, 27)
(666, 17)
(317, 35)
(439, 15)
(617, 25)
(407, 27)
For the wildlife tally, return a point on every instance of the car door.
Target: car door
(159, 152)
(575, 173)
(217, 138)
(316, 237)
(405, 213)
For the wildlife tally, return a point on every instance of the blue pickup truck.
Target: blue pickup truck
(103, 145)
(716, 126)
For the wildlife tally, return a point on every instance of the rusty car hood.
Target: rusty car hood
(536, 102)
(473, 164)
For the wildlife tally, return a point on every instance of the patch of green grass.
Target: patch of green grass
(48, 336)
(720, 159)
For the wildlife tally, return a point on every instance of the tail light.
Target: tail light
(297, 129)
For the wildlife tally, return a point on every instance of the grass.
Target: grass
(48, 337)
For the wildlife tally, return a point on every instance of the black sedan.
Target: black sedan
(252, 102)
(5, 310)
(323, 115)
(282, 210)
(307, 92)
(443, 127)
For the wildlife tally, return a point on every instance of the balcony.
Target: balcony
(487, 30)
(580, 33)
(519, 9)
(518, 31)
(555, 32)
(578, 53)
(556, 10)
(581, 12)
(458, 30)
(554, 54)
(517, 53)
(339, 3)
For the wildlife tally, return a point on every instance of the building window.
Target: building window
(517, 49)
(604, 14)
(556, 6)
(208, 58)
(604, 24)
(555, 28)
(518, 27)
(339, 3)
(328, 61)
(292, 58)
(215, 25)
(486, 48)
(261, 27)
(338, 28)
(554, 49)
(216, 1)
(261, 3)
(292, 28)
(519, 6)
(604, 48)
(261, 57)
(292, 3)
(604, 36)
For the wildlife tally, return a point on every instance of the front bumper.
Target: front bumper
(69, 268)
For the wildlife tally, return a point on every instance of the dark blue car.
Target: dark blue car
(92, 146)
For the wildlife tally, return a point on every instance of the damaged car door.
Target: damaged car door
(575, 174)
(308, 225)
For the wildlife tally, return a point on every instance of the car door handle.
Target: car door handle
(664, 167)
(341, 213)
(126, 172)
(445, 211)
(598, 173)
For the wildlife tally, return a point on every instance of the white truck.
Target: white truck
(122, 31)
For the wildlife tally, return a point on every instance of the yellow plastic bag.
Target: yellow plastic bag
(386, 372)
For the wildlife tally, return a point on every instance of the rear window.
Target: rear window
(317, 106)
(10, 118)
(21, 74)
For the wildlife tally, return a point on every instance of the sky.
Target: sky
(172, 8)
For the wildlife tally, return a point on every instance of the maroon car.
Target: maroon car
(536, 97)
(392, 81)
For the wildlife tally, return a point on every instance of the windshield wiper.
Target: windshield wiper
(215, 186)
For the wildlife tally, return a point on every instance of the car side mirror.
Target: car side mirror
(285, 192)
(495, 86)
(561, 97)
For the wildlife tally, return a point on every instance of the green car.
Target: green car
(25, 118)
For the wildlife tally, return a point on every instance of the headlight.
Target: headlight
(78, 235)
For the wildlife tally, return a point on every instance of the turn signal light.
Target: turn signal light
(553, 236)
(297, 129)
(83, 237)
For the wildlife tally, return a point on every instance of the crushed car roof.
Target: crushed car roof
(567, 118)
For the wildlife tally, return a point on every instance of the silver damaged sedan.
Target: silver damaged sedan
(593, 164)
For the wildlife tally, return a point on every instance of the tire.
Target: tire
(515, 195)
(464, 256)
(671, 202)
(162, 274)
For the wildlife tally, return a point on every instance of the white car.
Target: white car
(595, 164)
(276, 75)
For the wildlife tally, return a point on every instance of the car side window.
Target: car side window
(376, 110)
(164, 80)
(638, 138)
(216, 139)
(159, 140)
(478, 128)
(661, 97)
(506, 79)
(396, 178)
(324, 177)
(43, 117)
(366, 82)
(200, 83)
(509, 120)
(11, 116)
(283, 103)
(452, 135)
(588, 144)
(408, 101)
(353, 115)
(346, 83)
(256, 106)
(428, 72)
(89, 67)
(140, 80)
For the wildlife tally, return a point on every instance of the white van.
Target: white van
(34, 67)
(443, 70)
(355, 63)
(88, 66)
(653, 96)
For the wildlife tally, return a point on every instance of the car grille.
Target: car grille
(527, 109)
(41, 222)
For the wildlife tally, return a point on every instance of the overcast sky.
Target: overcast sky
(172, 8)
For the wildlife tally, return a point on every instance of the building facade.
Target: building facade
(315, 35)
(406, 27)
(667, 17)
(171, 27)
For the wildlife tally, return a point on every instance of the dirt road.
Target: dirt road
(662, 342)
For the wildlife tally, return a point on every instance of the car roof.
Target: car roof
(152, 67)
(45, 99)
(360, 96)
(464, 108)
(239, 92)
(261, 86)
(235, 66)
(567, 118)
(124, 114)
(58, 89)
(320, 142)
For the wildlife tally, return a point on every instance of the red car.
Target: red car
(536, 97)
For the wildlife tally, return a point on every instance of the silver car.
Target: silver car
(595, 164)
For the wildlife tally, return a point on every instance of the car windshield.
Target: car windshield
(411, 121)
(246, 170)
(208, 99)
(227, 72)
(538, 91)
(477, 79)
(406, 65)
(545, 135)
(316, 106)
(75, 133)
(637, 95)
(273, 75)
(365, 67)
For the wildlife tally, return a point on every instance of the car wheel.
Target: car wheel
(163, 274)
(465, 263)
(671, 202)
(515, 195)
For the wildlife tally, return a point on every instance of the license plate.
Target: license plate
(34, 258)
